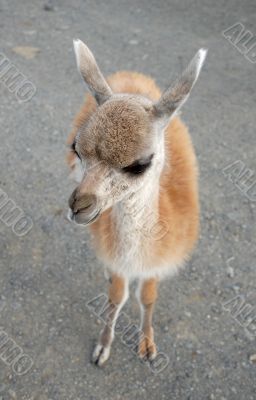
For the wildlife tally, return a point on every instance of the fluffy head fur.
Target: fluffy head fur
(118, 133)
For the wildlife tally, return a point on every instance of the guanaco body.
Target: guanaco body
(136, 170)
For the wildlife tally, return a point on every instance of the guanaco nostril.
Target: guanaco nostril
(72, 200)
(79, 202)
(77, 209)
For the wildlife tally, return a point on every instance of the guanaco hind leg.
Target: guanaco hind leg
(147, 294)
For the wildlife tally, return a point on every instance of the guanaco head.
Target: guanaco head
(120, 147)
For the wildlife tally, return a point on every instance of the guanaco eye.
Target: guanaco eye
(73, 147)
(138, 166)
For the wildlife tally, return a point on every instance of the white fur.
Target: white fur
(138, 295)
(134, 216)
(76, 44)
(101, 354)
(77, 171)
(199, 60)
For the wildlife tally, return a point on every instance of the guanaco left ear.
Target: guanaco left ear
(91, 73)
(176, 95)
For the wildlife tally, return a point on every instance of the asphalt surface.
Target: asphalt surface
(49, 274)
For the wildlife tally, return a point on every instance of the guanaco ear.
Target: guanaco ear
(176, 95)
(90, 71)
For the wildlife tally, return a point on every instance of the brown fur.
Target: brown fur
(112, 135)
(113, 138)
(148, 295)
(178, 201)
(116, 289)
(116, 295)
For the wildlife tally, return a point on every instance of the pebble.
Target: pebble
(133, 42)
(48, 6)
(236, 288)
(230, 272)
(2, 388)
(253, 358)
(12, 394)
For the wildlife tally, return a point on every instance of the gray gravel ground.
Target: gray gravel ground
(48, 275)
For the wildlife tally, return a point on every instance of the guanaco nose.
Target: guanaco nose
(79, 202)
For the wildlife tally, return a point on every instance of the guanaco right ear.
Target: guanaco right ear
(91, 73)
(176, 95)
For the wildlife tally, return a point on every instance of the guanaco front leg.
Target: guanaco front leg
(118, 294)
(147, 294)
